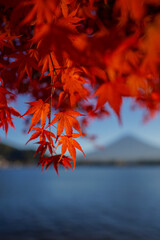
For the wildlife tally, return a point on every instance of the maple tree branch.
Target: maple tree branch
(52, 92)
(52, 79)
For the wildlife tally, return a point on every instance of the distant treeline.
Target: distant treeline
(15, 156)
(118, 163)
(12, 155)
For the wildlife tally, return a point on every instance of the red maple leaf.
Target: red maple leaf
(133, 9)
(42, 11)
(40, 111)
(55, 161)
(25, 63)
(73, 83)
(49, 62)
(70, 144)
(6, 112)
(6, 40)
(43, 146)
(108, 93)
(66, 120)
(42, 134)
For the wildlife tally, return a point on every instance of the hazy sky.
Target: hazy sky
(107, 130)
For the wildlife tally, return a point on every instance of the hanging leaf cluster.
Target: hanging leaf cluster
(77, 60)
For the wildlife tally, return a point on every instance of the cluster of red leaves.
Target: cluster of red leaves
(6, 112)
(76, 59)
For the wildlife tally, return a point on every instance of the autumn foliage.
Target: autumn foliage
(77, 59)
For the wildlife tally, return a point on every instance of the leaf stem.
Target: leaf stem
(52, 92)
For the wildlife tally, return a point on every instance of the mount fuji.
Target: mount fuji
(128, 149)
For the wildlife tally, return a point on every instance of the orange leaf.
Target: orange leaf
(42, 134)
(46, 63)
(132, 8)
(109, 93)
(24, 64)
(73, 84)
(55, 161)
(40, 110)
(42, 10)
(43, 148)
(70, 144)
(66, 120)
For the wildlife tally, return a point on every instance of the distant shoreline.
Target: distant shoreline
(119, 163)
(18, 164)
(127, 151)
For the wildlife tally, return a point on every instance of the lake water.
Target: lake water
(109, 203)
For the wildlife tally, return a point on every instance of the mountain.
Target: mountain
(13, 156)
(127, 149)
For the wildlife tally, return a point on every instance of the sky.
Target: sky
(107, 130)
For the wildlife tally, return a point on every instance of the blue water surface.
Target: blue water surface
(112, 203)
